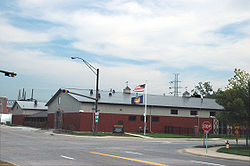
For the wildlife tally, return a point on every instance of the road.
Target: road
(30, 147)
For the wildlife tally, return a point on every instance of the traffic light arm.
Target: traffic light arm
(9, 74)
(67, 91)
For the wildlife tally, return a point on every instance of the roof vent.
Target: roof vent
(127, 90)
(91, 92)
(112, 90)
(99, 95)
(110, 94)
(186, 94)
(35, 103)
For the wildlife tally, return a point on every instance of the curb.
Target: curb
(214, 154)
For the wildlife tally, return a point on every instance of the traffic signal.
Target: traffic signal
(10, 74)
(65, 91)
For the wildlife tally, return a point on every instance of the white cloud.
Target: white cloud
(12, 34)
(173, 33)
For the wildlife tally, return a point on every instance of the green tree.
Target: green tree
(205, 89)
(235, 100)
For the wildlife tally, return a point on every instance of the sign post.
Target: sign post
(237, 133)
(206, 126)
(96, 117)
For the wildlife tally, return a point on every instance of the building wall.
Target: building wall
(51, 120)
(66, 104)
(3, 105)
(84, 122)
(18, 119)
(69, 104)
(131, 109)
(106, 122)
(110, 114)
(16, 110)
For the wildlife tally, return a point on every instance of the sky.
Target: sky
(128, 40)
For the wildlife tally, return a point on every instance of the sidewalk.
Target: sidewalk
(138, 135)
(211, 152)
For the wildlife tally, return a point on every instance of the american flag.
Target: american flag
(139, 88)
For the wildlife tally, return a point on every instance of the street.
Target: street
(33, 147)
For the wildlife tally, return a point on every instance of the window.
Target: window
(59, 100)
(175, 112)
(120, 122)
(155, 119)
(193, 113)
(212, 113)
(132, 118)
(142, 119)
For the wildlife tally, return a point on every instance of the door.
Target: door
(58, 120)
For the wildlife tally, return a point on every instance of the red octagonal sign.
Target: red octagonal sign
(206, 126)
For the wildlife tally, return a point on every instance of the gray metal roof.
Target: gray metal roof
(153, 100)
(43, 114)
(30, 105)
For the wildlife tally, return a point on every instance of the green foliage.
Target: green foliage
(205, 89)
(235, 99)
(239, 150)
(162, 135)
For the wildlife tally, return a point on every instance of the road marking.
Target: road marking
(133, 152)
(67, 157)
(130, 159)
(205, 163)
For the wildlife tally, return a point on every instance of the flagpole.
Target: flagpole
(145, 111)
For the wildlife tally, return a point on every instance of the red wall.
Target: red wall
(3, 100)
(71, 121)
(51, 120)
(18, 119)
(84, 121)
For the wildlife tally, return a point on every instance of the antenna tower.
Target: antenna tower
(174, 85)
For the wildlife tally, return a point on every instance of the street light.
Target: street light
(96, 72)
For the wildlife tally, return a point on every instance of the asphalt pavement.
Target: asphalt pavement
(34, 147)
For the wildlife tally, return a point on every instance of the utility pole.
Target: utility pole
(96, 72)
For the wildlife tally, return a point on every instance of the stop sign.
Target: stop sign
(206, 126)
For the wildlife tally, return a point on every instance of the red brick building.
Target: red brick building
(22, 109)
(169, 114)
(3, 105)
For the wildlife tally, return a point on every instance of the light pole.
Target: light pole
(96, 72)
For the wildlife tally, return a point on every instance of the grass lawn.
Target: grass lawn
(3, 163)
(160, 135)
(224, 136)
(101, 134)
(239, 150)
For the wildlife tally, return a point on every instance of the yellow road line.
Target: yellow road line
(125, 158)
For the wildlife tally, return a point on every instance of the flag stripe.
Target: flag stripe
(139, 88)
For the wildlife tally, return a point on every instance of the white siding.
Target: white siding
(139, 110)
